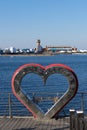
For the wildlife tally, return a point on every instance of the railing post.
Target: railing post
(85, 124)
(82, 101)
(72, 119)
(79, 120)
(10, 109)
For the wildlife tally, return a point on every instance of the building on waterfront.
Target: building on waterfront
(12, 50)
(60, 49)
(39, 48)
(1, 51)
(53, 49)
(83, 51)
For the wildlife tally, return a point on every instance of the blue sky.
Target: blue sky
(54, 22)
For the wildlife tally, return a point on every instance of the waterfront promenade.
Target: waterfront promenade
(30, 123)
(76, 121)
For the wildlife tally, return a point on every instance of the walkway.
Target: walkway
(34, 124)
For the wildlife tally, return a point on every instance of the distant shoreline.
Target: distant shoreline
(26, 55)
(46, 54)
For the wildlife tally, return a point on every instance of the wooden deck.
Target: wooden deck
(31, 123)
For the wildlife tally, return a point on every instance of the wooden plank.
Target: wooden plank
(33, 124)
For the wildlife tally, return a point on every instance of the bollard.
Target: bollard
(72, 119)
(79, 120)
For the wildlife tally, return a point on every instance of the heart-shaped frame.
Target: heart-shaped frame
(44, 72)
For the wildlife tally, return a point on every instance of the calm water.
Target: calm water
(33, 83)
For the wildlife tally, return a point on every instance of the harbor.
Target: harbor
(15, 116)
(43, 65)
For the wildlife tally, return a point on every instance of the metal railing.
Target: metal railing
(77, 120)
(10, 106)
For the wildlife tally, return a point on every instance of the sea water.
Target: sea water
(32, 83)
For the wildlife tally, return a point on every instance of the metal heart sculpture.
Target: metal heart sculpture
(44, 72)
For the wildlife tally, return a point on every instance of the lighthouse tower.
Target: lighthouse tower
(39, 47)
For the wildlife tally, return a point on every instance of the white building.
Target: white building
(12, 49)
(39, 47)
(83, 51)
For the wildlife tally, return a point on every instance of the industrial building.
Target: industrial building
(60, 49)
